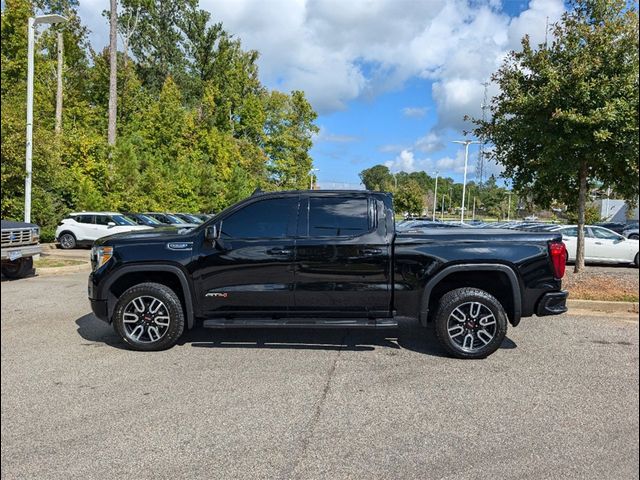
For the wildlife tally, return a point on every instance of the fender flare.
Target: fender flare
(471, 267)
(184, 283)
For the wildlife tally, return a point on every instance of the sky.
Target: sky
(391, 80)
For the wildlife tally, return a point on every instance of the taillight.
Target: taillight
(558, 253)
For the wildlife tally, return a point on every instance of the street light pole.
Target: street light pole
(435, 198)
(31, 23)
(466, 144)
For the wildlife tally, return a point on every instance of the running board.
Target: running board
(300, 323)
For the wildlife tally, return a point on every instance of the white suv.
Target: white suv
(83, 228)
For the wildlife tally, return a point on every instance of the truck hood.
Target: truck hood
(148, 235)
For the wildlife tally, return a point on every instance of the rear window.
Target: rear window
(338, 217)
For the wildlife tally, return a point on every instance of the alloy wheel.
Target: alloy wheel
(145, 319)
(471, 326)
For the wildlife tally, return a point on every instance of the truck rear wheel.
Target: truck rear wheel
(149, 317)
(17, 268)
(470, 323)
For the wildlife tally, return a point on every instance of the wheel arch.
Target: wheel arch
(171, 276)
(490, 277)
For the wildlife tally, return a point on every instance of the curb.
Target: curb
(67, 269)
(603, 306)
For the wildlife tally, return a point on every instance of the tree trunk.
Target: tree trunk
(113, 72)
(582, 203)
(58, 128)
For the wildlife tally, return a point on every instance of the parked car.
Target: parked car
(142, 219)
(20, 242)
(189, 218)
(601, 245)
(168, 219)
(83, 228)
(617, 227)
(324, 259)
(631, 230)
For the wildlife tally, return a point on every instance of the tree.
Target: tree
(113, 72)
(566, 115)
(410, 198)
(377, 178)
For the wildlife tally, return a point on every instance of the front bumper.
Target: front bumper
(24, 250)
(99, 306)
(552, 304)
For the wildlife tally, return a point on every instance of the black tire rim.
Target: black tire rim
(146, 319)
(471, 326)
(67, 241)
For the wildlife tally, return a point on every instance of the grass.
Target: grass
(48, 262)
(602, 286)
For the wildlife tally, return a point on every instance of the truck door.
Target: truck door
(343, 257)
(250, 270)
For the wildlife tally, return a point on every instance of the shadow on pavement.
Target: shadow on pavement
(409, 335)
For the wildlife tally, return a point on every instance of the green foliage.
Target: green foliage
(592, 215)
(377, 178)
(410, 199)
(197, 131)
(571, 106)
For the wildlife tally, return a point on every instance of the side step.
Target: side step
(300, 323)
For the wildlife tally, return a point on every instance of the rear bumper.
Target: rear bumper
(552, 304)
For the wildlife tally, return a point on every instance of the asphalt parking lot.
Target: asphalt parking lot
(559, 400)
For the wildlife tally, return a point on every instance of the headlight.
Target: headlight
(100, 256)
(35, 234)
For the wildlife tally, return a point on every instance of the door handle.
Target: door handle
(369, 252)
(598, 243)
(279, 251)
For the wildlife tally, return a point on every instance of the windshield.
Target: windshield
(174, 219)
(149, 220)
(122, 220)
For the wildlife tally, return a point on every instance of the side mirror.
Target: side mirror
(111, 224)
(212, 233)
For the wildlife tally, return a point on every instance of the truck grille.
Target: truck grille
(17, 236)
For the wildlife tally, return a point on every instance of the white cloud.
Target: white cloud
(337, 51)
(431, 142)
(325, 136)
(414, 112)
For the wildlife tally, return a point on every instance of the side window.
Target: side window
(84, 219)
(570, 232)
(604, 234)
(338, 217)
(271, 218)
(102, 219)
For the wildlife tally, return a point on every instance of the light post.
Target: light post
(32, 22)
(466, 144)
(435, 198)
(312, 177)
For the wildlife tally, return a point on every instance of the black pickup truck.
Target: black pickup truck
(324, 259)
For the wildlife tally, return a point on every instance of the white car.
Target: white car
(601, 245)
(83, 228)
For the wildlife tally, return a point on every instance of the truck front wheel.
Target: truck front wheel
(470, 323)
(149, 317)
(17, 268)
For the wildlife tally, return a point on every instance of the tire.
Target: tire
(633, 237)
(17, 268)
(636, 261)
(458, 323)
(67, 241)
(149, 317)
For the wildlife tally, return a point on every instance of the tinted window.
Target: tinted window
(84, 218)
(103, 219)
(338, 217)
(263, 219)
